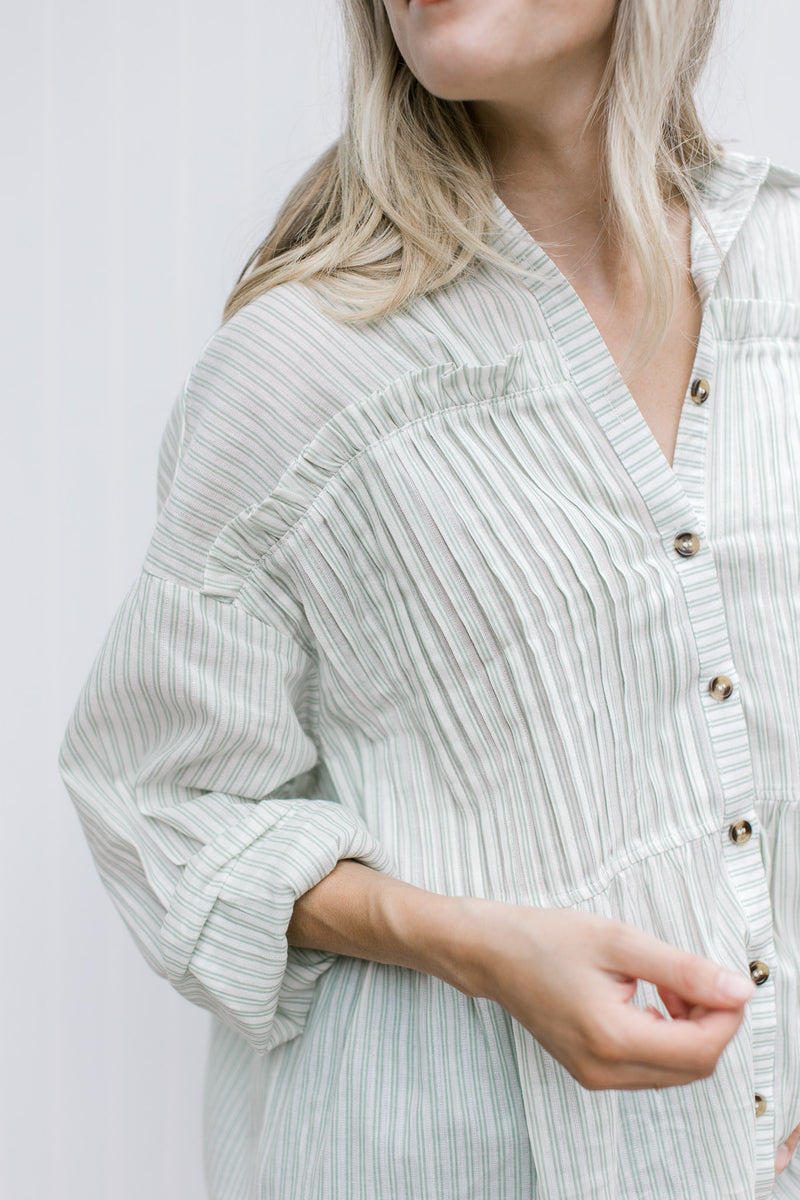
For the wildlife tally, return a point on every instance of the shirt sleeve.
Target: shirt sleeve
(190, 754)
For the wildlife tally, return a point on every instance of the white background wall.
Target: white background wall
(146, 148)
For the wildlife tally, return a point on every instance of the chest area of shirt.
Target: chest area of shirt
(511, 490)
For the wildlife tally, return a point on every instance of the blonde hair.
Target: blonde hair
(403, 202)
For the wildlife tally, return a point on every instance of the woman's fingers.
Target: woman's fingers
(628, 1047)
(691, 1045)
(785, 1152)
(675, 1005)
(688, 978)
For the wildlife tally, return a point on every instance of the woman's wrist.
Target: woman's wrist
(440, 935)
(361, 913)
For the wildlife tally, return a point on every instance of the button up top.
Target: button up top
(413, 597)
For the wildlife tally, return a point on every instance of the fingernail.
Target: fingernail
(782, 1158)
(732, 986)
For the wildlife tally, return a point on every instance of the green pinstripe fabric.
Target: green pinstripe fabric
(412, 597)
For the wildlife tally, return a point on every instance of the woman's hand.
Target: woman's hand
(569, 977)
(785, 1152)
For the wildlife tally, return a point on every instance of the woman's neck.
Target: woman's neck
(547, 166)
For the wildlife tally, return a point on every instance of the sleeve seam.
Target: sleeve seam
(303, 643)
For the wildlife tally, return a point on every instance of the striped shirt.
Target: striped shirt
(425, 592)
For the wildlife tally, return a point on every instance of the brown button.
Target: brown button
(759, 972)
(720, 687)
(686, 544)
(739, 832)
(761, 1105)
(700, 390)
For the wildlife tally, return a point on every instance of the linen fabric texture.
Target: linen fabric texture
(413, 598)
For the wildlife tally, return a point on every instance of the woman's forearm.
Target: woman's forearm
(361, 913)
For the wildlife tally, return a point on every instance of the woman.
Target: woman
(446, 748)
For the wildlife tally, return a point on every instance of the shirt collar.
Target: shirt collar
(728, 189)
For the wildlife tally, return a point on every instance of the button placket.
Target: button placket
(725, 717)
(719, 687)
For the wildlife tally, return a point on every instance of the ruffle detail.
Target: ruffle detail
(255, 532)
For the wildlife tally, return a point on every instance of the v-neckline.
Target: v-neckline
(592, 366)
